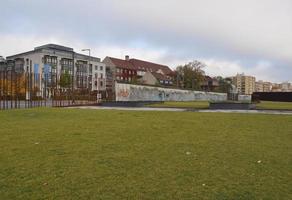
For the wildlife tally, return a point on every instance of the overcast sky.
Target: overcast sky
(230, 36)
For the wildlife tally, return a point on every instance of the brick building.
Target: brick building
(133, 71)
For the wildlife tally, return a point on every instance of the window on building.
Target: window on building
(96, 67)
(101, 68)
(90, 68)
(101, 75)
(101, 83)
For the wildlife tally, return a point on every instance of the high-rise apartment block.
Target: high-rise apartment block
(244, 84)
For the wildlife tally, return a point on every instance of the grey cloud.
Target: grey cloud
(245, 30)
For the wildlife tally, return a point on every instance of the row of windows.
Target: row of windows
(125, 71)
(96, 75)
(145, 69)
(100, 68)
(132, 71)
(121, 78)
(65, 61)
(100, 83)
(50, 60)
(166, 82)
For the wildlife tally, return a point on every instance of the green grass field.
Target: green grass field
(187, 104)
(274, 105)
(95, 154)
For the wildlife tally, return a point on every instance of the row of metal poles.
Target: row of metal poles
(27, 90)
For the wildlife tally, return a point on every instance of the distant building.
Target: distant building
(136, 71)
(276, 87)
(244, 84)
(149, 79)
(2, 59)
(122, 70)
(286, 87)
(209, 84)
(2, 63)
(262, 86)
(54, 61)
(118, 70)
(144, 66)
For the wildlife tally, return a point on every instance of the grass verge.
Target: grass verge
(272, 105)
(102, 154)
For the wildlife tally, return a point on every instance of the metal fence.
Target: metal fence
(20, 89)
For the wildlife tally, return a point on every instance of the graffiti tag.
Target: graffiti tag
(123, 93)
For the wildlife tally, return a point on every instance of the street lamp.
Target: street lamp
(87, 50)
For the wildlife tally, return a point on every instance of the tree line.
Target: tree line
(192, 76)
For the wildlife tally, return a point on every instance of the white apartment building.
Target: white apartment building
(244, 84)
(2, 59)
(262, 86)
(52, 62)
(286, 87)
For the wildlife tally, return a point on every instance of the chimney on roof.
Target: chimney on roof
(127, 58)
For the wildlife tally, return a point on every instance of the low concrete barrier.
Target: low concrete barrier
(231, 106)
(244, 98)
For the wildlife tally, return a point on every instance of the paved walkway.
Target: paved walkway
(273, 112)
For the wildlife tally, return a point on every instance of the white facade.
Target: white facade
(286, 87)
(57, 61)
(2, 59)
(244, 84)
(99, 76)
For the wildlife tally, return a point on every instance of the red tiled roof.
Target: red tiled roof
(144, 65)
(122, 63)
(136, 64)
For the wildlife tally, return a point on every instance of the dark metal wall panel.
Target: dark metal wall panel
(272, 96)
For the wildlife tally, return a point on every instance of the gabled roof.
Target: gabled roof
(144, 65)
(141, 65)
(160, 77)
(207, 79)
(122, 63)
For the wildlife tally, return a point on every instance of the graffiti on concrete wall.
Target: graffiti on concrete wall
(128, 92)
(123, 93)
